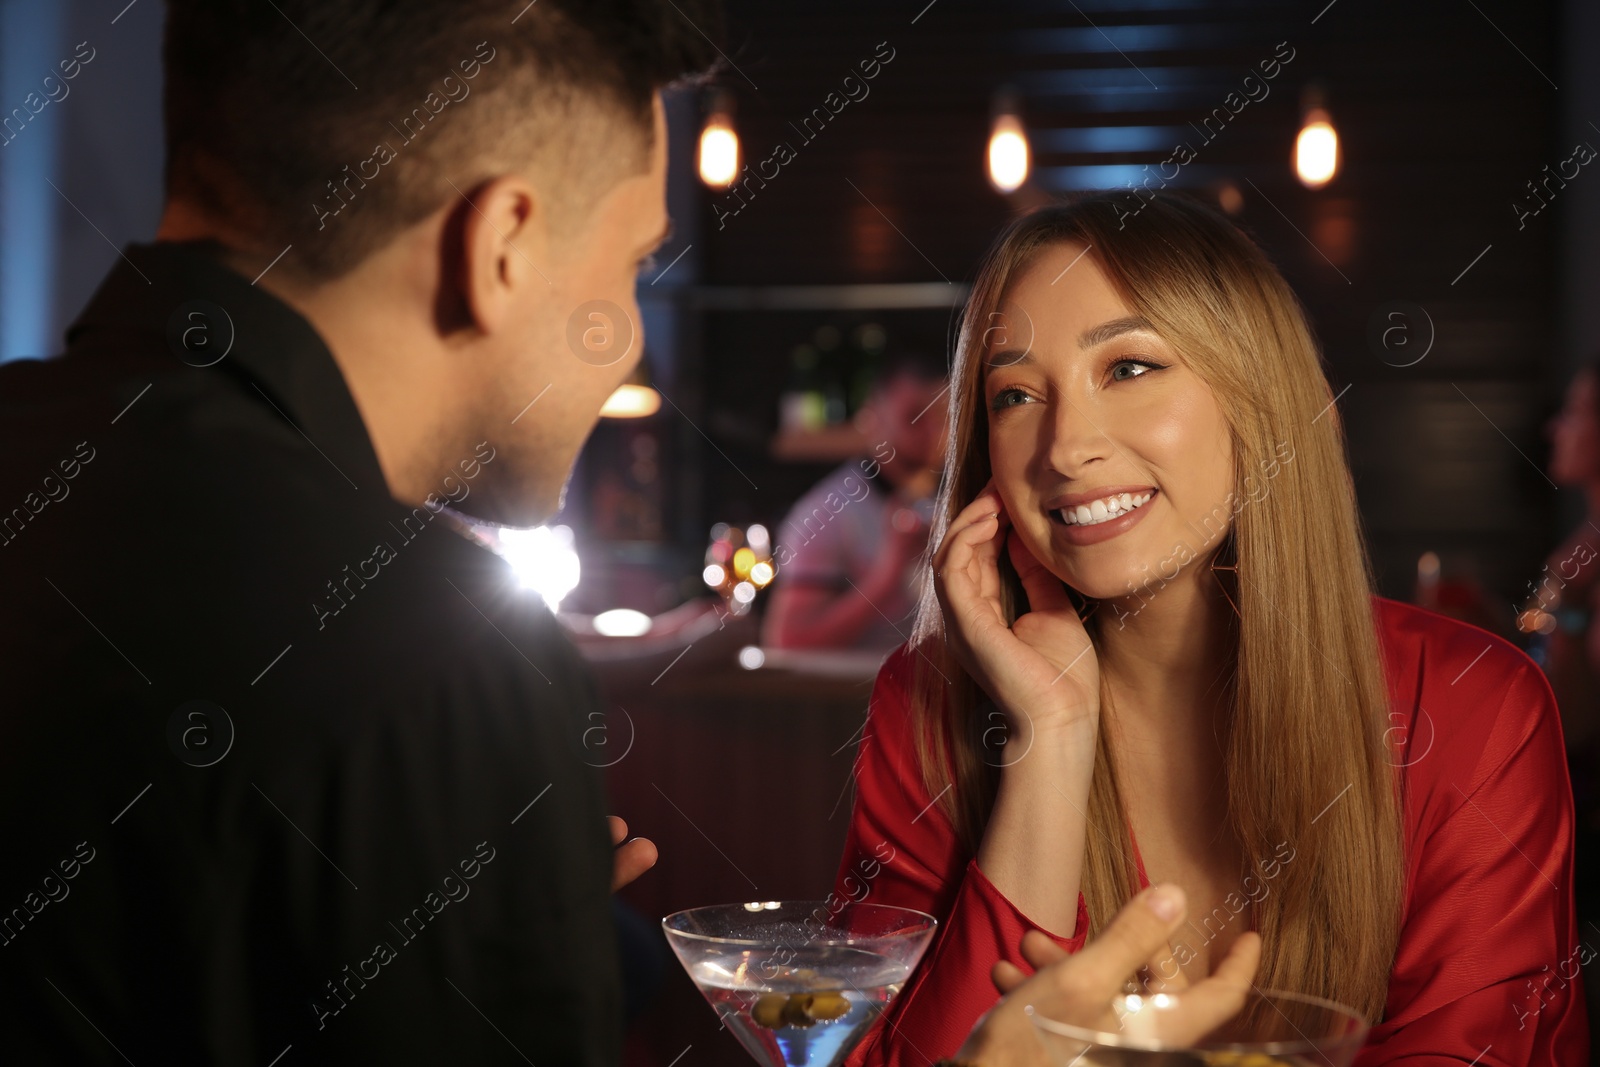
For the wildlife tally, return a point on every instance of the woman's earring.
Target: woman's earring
(1227, 560)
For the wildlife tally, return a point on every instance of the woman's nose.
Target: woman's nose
(1076, 437)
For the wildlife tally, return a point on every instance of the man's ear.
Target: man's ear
(502, 227)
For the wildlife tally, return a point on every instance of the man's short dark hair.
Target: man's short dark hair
(329, 125)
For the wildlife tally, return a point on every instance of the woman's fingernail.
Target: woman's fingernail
(1165, 900)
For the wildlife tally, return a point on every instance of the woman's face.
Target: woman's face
(1575, 434)
(1091, 411)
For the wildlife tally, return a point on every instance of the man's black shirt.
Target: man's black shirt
(284, 764)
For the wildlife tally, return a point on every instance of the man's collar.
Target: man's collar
(180, 295)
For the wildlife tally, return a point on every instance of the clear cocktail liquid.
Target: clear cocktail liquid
(808, 1010)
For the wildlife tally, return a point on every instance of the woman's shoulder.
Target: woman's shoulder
(889, 745)
(1425, 651)
(902, 681)
(889, 712)
(1462, 702)
(896, 676)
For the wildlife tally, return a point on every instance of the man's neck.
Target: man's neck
(351, 332)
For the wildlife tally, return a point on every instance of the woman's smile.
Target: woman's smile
(1099, 514)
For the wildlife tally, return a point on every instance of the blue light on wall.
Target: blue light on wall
(28, 154)
(80, 156)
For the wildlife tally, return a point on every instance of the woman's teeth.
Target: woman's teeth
(1098, 511)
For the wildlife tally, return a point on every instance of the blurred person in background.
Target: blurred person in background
(1558, 614)
(848, 550)
(1563, 597)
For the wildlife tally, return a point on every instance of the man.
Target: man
(847, 550)
(290, 772)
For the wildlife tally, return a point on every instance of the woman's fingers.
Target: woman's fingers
(988, 556)
(967, 577)
(961, 572)
(1045, 591)
(985, 505)
(959, 534)
(984, 513)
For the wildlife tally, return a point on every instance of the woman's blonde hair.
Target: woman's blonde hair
(1307, 761)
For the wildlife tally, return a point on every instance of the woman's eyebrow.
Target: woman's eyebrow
(1010, 357)
(1099, 335)
(1094, 335)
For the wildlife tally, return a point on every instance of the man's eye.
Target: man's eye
(1009, 398)
(1124, 369)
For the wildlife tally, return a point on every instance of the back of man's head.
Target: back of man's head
(330, 125)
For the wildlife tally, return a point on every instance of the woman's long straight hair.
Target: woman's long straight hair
(1309, 770)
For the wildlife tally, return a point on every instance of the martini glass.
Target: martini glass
(1274, 1029)
(799, 983)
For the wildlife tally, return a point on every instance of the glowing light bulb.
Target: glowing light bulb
(719, 152)
(1316, 150)
(1008, 153)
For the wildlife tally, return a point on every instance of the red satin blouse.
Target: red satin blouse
(1486, 971)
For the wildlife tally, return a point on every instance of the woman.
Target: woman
(1148, 651)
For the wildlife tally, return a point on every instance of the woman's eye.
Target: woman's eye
(1009, 398)
(1124, 369)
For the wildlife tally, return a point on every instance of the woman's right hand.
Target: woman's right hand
(1041, 670)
